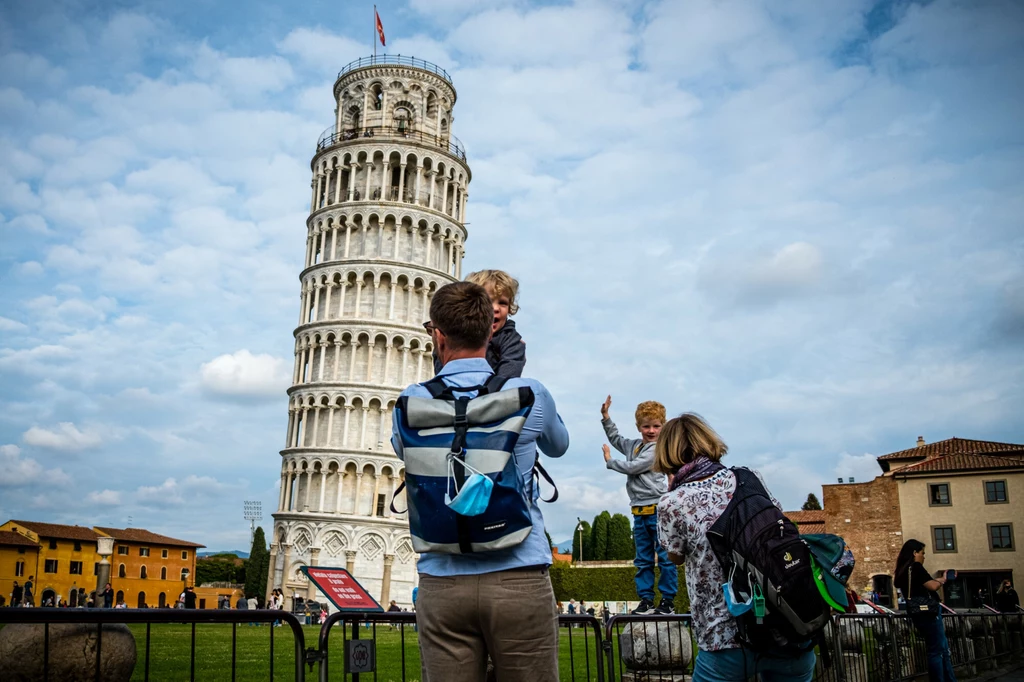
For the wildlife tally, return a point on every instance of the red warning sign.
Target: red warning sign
(341, 588)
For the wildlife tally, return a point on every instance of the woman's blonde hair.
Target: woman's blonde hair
(685, 438)
(502, 283)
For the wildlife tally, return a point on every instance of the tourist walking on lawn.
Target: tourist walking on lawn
(17, 595)
(492, 602)
(920, 591)
(700, 489)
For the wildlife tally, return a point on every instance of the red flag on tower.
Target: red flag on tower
(380, 28)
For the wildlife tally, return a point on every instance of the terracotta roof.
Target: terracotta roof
(144, 536)
(960, 463)
(953, 446)
(59, 531)
(10, 538)
(809, 516)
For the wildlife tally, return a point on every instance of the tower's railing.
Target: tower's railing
(395, 59)
(449, 143)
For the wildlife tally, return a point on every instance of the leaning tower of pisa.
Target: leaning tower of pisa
(385, 230)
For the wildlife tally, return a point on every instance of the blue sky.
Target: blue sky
(802, 221)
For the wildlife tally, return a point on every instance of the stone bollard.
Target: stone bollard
(72, 655)
(662, 646)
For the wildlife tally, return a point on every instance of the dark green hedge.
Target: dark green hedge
(606, 584)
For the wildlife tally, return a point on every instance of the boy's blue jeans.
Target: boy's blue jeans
(645, 536)
(731, 665)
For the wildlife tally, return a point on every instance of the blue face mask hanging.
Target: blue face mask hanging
(736, 608)
(474, 496)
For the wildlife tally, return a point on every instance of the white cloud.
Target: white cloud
(861, 468)
(66, 436)
(8, 325)
(16, 470)
(104, 497)
(242, 374)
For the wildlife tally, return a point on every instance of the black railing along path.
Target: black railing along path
(149, 617)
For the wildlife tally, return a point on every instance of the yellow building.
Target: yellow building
(18, 559)
(965, 500)
(146, 568)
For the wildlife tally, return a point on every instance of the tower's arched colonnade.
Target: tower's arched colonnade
(385, 231)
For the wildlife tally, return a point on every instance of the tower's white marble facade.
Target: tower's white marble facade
(385, 230)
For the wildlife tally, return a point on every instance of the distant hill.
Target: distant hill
(564, 547)
(237, 552)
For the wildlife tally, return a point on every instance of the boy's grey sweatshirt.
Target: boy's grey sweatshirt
(643, 485)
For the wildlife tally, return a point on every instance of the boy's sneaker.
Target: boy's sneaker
(645, 608)
(665, 608)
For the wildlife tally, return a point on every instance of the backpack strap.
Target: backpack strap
(538, 473)
(394, 496)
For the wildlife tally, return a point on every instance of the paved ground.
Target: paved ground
(1015, 675)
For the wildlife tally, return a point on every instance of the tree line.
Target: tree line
(608, 538)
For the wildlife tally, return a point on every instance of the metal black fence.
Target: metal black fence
(50, 619)
(861, 647)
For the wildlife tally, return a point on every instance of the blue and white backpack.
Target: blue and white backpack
(466, 446)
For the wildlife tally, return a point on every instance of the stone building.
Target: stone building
(960, 497)
(385, 230)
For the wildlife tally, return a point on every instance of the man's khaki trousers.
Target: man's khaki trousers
(510, 615)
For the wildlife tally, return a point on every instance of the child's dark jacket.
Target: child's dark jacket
(506, 352)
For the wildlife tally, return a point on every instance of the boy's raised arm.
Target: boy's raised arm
(623, 445)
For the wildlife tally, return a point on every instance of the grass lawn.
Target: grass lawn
(170, 645)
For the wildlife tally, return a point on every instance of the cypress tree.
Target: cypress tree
(620, 539)
(812, 503)
(599, 535)
(258, 566)
(584, 536)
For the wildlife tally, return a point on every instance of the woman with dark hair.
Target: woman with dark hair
(912, 580)
(1006, 598)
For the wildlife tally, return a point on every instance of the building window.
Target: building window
(53, 544)
(184, 555)
(163, 573)
(944, 538)
(121, 573)
(143, 551)
(122, 550)
(142, 572)
(381, 501)
(1000, 537)
(19, 569)
(938, 495)
(96, 568)
(995, 492)
(163, 554)
(78, 546)
(50, 566)
(184, 574)
(76, 568)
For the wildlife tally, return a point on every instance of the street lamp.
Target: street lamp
(579, 529)
(253, 512)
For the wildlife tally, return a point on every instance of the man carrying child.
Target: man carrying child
(645, 487)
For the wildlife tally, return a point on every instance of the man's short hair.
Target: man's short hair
(464, 314)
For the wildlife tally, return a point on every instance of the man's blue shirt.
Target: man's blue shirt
(543, 429)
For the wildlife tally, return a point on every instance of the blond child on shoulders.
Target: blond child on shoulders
(506, 351)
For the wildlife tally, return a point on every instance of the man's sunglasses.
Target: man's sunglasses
(430, 327)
